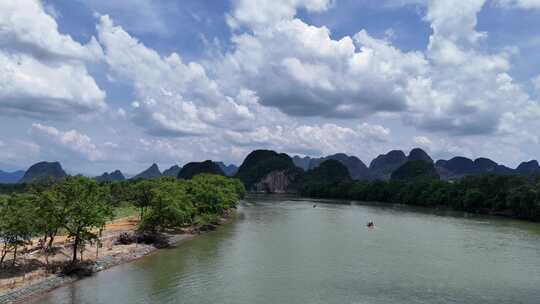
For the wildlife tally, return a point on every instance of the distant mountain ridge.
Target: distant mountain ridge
(189, 170)
(415, 169)
(229, 170)
(459, 166)
(357, 169)
(10, 177)
(266, 170)
(172, 171)
(529, 167)
(116, 175)
(383, 165)
(330, 172)
(151, 172)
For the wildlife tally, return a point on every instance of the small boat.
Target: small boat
(370, 224)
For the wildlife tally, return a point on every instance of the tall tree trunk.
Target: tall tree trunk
(51, 240)
(4, 254)
(14, 256)
(75, 247)
(44, 241)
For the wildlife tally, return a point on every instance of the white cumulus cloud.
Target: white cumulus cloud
(42, 71)
(71, 140)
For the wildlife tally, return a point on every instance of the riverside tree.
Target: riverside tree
(141, 195)
(175, 203)
(169, 206)
(212, 194)
(86, 206)
(516, 196)
(16, 223)
(51, 215)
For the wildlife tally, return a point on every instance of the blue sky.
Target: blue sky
(101, 85)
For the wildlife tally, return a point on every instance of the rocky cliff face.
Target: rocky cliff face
(43, 170)
(275, 182)
(261, 163)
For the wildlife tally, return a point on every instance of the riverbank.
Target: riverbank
(33, 277)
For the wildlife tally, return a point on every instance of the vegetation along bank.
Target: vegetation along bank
(77, 225)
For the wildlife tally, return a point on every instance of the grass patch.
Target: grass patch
(125, 211)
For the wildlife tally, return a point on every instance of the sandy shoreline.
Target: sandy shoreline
(116, 255)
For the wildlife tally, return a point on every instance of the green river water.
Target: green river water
(283, 250)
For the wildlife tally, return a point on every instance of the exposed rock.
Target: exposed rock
(43, 170)
(260, 163)
(194, 168)
(276, 182)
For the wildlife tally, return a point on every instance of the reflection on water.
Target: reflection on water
(282, 250)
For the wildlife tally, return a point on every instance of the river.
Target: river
(283, 250)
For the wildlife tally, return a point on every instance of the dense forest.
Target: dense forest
(510, 195)
(79, 207)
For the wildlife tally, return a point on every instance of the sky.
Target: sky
(101, 85)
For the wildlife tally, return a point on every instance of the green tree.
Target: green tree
(16, 223)
(50, 216)
(141, 195)
(86, 207)
(213, 193)
(169, 207)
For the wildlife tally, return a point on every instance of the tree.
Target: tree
(214, 193)
(170, 207)
(86, 207)
(16, 223)
(50, 217)
(141, 195)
